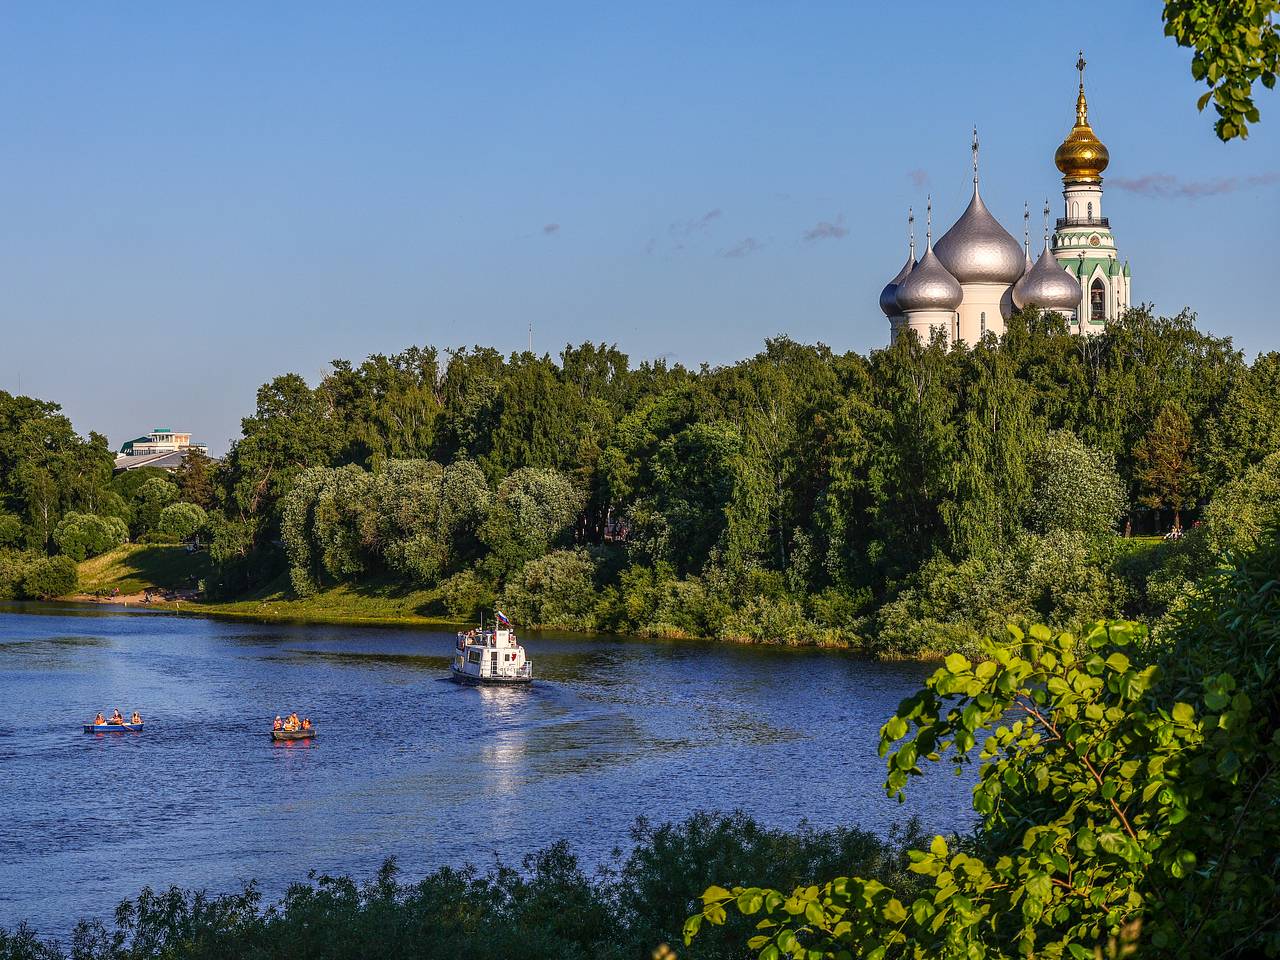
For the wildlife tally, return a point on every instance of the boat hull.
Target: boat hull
(457, 676)
(113, 728)
(293, 734)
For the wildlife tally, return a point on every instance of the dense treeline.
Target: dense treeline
(906, 501)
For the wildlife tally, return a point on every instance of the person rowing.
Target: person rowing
(116, 717)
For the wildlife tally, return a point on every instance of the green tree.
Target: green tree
(1164, 470)
(182, 520)
(1236, 44)
(10, 530)
(152, 497)
(1074, 487)
(1246, 427)
(534, 510)
(194, 478)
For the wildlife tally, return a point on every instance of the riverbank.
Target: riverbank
(170, 579)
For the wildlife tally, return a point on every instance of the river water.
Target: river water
(406, 763)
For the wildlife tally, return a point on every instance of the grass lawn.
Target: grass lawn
(347, 603)
(137, 567)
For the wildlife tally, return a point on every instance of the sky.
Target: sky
(197, 198)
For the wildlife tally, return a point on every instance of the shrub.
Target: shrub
(10, 530)
(556, 590)
(465, 595)
(83, 535)
(50, 577)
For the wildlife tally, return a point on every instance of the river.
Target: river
(406, 763)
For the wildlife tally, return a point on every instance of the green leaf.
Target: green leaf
(715, 893)
(894, 911)
(938, 847)
(1183, 712)
(957, 663)
(1118, 662)
(691, 928)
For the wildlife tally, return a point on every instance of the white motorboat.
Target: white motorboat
(492, 656)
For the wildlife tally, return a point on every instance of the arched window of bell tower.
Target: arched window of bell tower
(1075, 210)
(1097, 301)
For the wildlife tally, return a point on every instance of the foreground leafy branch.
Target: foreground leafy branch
(1096, 790)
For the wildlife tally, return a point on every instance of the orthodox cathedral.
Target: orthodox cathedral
(970, 281)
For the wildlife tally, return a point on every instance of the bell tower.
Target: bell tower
(1082, 242)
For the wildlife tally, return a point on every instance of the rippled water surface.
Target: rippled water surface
(406, 763)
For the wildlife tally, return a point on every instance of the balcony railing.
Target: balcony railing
(1084, 222)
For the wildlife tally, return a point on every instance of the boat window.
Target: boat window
(475, 656)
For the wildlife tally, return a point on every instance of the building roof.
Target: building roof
(163, 461)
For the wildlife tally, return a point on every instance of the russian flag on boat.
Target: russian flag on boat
(502, 618)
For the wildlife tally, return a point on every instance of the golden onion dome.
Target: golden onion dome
(1082, 156)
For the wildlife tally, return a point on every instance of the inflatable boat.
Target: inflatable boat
(113, 728)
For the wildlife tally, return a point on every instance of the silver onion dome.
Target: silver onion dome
(929, 286)
(1047, 286)
(978, 250)
(889, 295)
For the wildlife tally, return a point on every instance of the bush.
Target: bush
(950, 606)
(556, 590)
(465, 595)
(10, 530)
(13, 569)
(83, 535)
(50, 577)
(548, 906)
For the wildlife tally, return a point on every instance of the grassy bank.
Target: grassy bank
(136, 568)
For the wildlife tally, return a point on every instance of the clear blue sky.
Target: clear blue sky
(194, 198)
